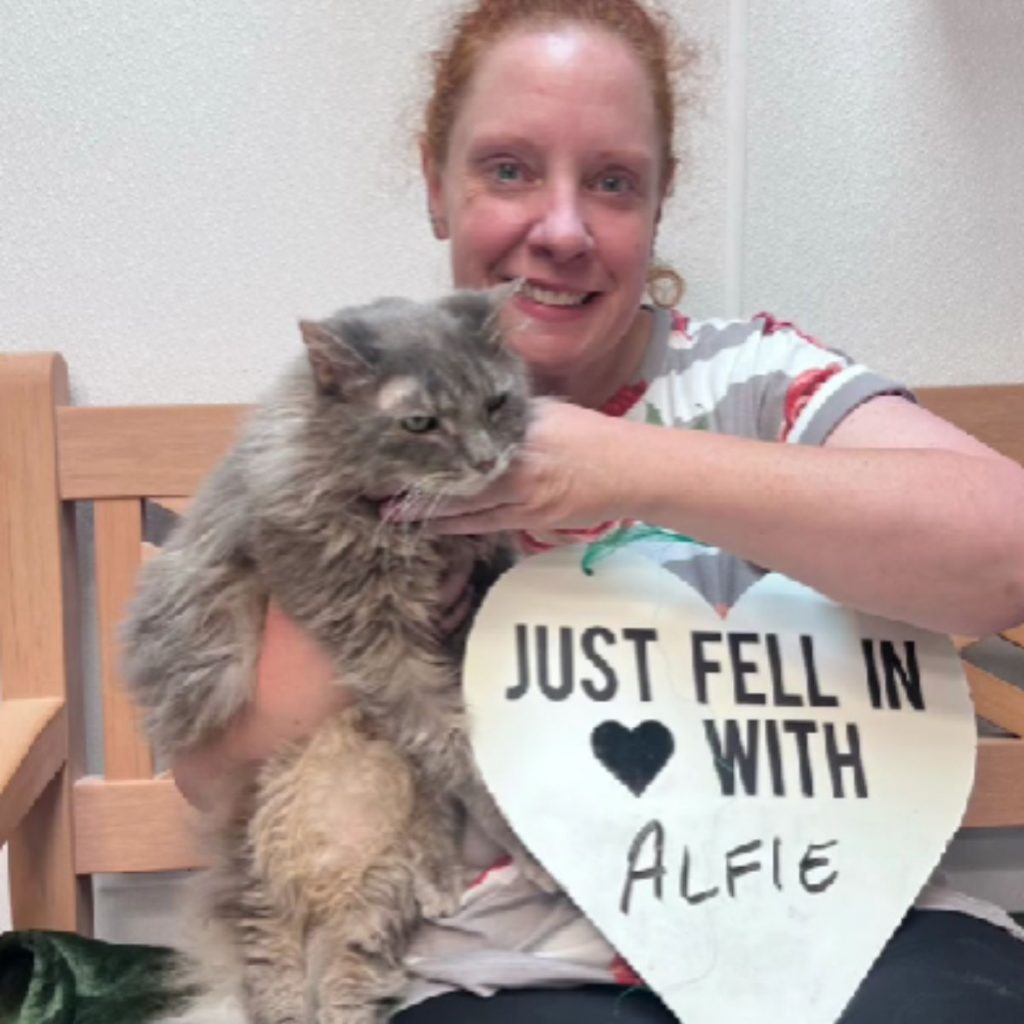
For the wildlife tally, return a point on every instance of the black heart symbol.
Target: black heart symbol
(633, 756)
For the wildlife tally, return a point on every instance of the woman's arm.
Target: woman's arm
(899, 514)
(295, 691)
(297, 687)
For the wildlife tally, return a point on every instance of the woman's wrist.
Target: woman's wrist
(207, 775)
(211, 771)
(637, 465)
(296, 688)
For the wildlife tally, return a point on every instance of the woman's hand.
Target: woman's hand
(563, 478)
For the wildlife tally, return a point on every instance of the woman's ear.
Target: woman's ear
(435, 193)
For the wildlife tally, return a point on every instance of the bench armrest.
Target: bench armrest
(33, 748)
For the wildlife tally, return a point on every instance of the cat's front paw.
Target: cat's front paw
(439, 896)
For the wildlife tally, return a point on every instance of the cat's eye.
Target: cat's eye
(420, 424)
(495, 402)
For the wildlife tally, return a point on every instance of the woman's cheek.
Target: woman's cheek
(487, 237)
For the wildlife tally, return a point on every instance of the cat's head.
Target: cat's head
(420, 395)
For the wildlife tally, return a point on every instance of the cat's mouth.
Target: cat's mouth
(458, 487)
(421, 495)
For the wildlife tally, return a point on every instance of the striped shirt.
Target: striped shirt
(761, 379)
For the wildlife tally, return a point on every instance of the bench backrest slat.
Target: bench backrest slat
(54, 456)
(138, 451)
(118, 540)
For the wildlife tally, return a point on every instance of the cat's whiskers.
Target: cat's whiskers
(413, 500)
(381, 538)
(505, 458)
(435, 501)
(418, 503)
(409, 502)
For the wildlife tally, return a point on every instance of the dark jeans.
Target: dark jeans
(939, 968)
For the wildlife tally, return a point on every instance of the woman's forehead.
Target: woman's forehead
(565, 77)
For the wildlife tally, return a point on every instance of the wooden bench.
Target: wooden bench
(64, 826)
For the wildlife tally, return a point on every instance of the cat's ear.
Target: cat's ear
(338, 367)
(479, 311)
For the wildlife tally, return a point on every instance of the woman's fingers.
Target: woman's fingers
(569, 474)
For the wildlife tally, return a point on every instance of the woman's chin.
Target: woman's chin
(550, 355)
(550, 329)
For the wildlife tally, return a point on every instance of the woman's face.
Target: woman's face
(552, 176)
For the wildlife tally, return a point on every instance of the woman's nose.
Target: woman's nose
(560, 229)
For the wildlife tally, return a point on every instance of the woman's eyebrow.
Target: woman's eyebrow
(636, 156)
(628, 157)
(499, 139)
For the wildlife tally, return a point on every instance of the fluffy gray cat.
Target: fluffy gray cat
(338, 845)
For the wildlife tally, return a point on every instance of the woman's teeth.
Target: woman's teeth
(548, 297)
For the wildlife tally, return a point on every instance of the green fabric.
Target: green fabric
(627, 534)
(60, 978)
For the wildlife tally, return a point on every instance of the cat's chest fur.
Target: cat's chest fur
(369, 591)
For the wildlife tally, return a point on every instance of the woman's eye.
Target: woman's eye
(507, 172)
(494, 403)
(614, 183)
(420, 424)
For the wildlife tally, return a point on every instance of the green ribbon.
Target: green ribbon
(623, 535)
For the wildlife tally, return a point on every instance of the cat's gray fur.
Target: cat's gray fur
(338, 845)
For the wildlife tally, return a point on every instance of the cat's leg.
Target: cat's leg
(274, 983)
(356, 958)
(344, 837)
(493, 559)
(357, 954)
(433, 846)
(426, 720)
(249, 939)
(354, 987)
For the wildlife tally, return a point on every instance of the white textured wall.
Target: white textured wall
(181, 180)
(885, 180)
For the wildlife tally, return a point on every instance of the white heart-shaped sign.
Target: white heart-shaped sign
(745, 806)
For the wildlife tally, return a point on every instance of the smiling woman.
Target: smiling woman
(553, 174)
(548, 153)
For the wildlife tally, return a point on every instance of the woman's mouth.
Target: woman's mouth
(546, 295)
